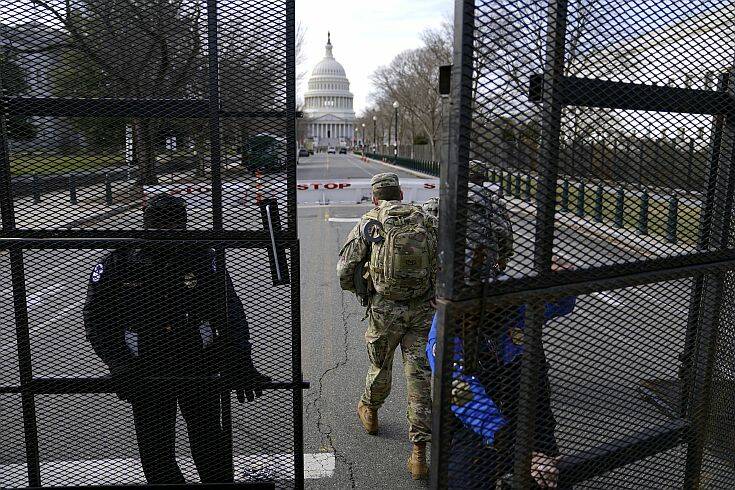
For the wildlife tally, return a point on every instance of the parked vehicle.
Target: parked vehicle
(332, 150)
(343, 151)
(303, 152)
(263, 152)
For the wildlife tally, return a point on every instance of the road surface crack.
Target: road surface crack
(324, 428)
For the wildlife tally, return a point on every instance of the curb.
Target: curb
(78, 223)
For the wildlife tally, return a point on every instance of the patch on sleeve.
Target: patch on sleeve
(97, 272)
(214, 264)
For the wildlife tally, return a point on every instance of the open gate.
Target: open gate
(106, 104)
(608, 128)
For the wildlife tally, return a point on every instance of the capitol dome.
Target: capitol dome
(328, 103)
(329, 66)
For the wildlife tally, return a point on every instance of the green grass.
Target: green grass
(29, 164)
(658, 210)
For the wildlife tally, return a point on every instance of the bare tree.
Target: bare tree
(129, 48)
(412, 79)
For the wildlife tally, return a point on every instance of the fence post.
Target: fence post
(565, 195)
(619, 208)
(643, 217)
(672, 219)
(72, 189)
(580, 199)
(493, 175)
(517, 191)
(502, 181)
(690, 163)
(509, 183)
(108, 189)
(528, 187)
(36, 189)
(598, 203)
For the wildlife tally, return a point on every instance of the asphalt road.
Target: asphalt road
(597, 356)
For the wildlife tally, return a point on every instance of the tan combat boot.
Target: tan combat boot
(417, 465)
(369, 418)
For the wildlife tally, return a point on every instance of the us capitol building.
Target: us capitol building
(328, 107)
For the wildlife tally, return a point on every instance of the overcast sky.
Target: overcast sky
(365, 34)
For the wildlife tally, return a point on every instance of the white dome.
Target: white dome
(329, 67)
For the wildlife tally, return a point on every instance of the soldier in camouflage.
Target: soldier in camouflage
(399, 242)
(431, 207)
(489, 230)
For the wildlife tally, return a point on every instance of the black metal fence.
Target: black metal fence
(632, 160)
(600, 358)
(109, 324)
(424, 166)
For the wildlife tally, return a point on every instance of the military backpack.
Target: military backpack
(403, 259)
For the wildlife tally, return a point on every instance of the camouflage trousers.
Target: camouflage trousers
(392, 324)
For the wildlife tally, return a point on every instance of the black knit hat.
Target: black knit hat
(166, 212)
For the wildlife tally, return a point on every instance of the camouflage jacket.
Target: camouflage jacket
(356, 250)
(489, 233)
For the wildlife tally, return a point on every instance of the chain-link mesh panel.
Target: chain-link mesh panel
(597, 353)
(150, 261)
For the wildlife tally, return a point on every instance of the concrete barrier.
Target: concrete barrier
(352, 191)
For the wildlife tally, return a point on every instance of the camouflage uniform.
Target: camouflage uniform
(489, 229)
(431, 207)
(390, 324)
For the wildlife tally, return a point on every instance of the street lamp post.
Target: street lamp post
(355, 138)
(375, 139)
(364, 137)
(395, 150)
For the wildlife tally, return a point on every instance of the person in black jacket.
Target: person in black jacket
(157, 318)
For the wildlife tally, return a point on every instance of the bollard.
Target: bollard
(672, 219)
(565, 196)
(598, 203)
(509, 183)
(517, 190)
(528, 187)
(36, 189)
(580, 199)
(493, 176)
(108, 189)
(643, 217)
(619, 208)
(502, 180)
(72, 189)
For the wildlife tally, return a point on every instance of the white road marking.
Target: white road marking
(344, 220)
(128, 471)
(352, 158)
(60, 315)
(36, 299)
(606, 298)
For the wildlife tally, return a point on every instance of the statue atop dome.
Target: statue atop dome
(329, 54)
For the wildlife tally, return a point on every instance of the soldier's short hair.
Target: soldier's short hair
(392, 193)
